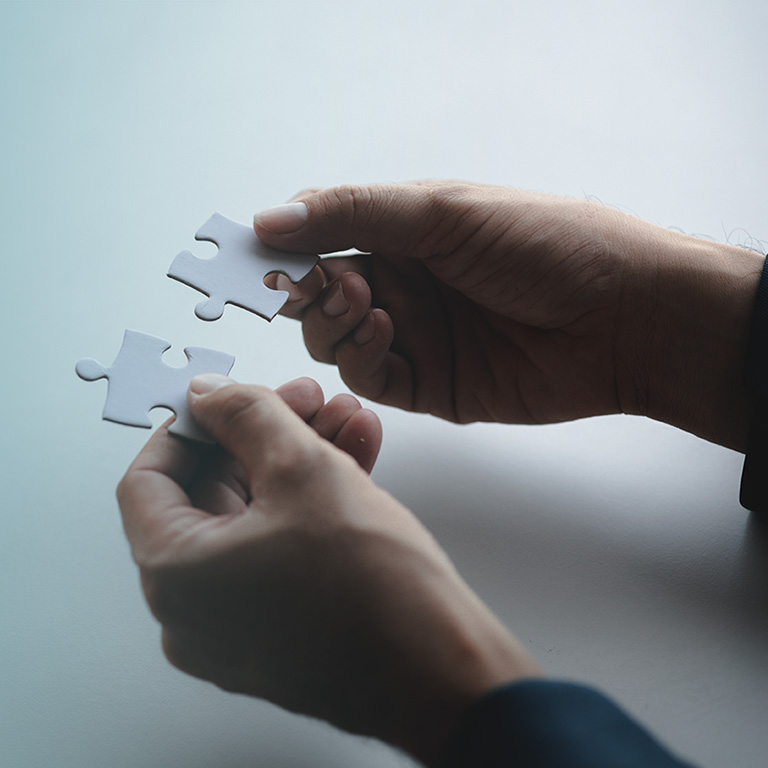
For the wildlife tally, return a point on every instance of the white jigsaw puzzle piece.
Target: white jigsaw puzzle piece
(139, 380)
(235, 275)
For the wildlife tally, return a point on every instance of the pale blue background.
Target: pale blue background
(615, 547)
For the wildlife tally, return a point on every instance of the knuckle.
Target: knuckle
(457, 211)
(291, 464)
(371, 386)
(157, 595)
(321, 355)
(241, 403)
(316, 340)
(356, 202)
(123, 489)
(164, 591)
(448, 196)
(292, 472)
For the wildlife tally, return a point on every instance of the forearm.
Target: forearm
(694, 304)
(476, 654)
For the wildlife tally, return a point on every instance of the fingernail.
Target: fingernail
(208, 382)
(283, 219)
(336, 303)
(365, 331)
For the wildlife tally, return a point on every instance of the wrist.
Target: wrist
(480, 655)
(700, 298)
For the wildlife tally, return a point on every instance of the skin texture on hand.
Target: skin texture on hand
(482, 303)
(278, 569)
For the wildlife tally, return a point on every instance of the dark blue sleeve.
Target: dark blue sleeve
(546, 724)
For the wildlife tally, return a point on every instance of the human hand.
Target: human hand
(484, 303)
(278, 569)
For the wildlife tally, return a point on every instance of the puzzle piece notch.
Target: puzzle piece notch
(139, 380)
(235, 275)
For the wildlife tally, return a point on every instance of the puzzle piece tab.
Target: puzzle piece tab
(139, 380)
(236, 274)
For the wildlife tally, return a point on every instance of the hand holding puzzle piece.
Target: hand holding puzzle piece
(236, 274)
(139, 380)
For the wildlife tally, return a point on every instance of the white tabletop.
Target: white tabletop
(615, 548)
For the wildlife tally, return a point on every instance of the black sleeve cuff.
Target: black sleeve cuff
(547, 724)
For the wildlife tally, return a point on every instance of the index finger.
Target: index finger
(306, 291)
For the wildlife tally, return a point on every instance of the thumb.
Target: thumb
(381, 218)
(256, 427)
